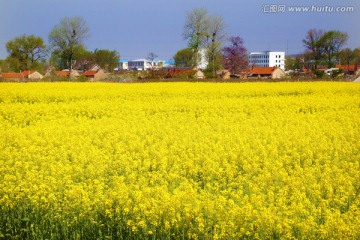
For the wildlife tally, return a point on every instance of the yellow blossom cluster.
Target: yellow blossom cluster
(180, 161)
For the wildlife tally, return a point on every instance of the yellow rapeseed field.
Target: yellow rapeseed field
(180, 161)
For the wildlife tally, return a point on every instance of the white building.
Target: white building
(202, 62)
(123, 64)
(267, 59)
(145, 64)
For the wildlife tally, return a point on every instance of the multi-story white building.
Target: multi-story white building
(267, 59)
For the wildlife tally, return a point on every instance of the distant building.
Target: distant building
(169, 63)
(32, 74)
(267, 59)
(61, 74)
(202, 62)
(139, 64)
(12, 76)
(145, 64)
(22, 76)
(95, 75)
(266, 72)
(185, 73)
(123, 64)
(350, 69)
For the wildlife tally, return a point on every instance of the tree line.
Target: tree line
(66, 50)
(324, 49)
(206, 40)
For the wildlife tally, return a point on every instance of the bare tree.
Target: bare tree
(216, 35)
(151, 57)
(68, 37)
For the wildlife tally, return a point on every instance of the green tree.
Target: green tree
(26, 52)
(106, 59)
(67, 38)
(346, 56)
(294, 63)
(313, 43)
(4, 66)
(185, 58)
(84, 59)
(356, 54)
(332, 42)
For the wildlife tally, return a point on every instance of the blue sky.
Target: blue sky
(136, 27)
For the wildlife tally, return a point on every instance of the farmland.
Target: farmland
(179, 161)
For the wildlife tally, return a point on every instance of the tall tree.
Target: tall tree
(314, 45)
(185, 58)
(26, 52)
(235, 56)
(68, 37)
(196, 30)
(215, 36)
(332, 42)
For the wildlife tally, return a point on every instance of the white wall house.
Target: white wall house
(267, 59)
(145, 64)
(123, 64)
(139, 64)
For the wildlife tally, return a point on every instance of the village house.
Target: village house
(12, 76)
(95, 75)
(266, 72)
(145, 64)
(32, 75)
(351, 69)
(123, 64)
(184, 73)
(22, 76)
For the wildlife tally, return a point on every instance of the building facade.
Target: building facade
(123, 65)
(267, 59)
(145, 64)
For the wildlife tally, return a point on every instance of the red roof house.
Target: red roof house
(31, 74)
(95, 75)
(347, 69)
(270, 72)
(63, 73)
(12, 75)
